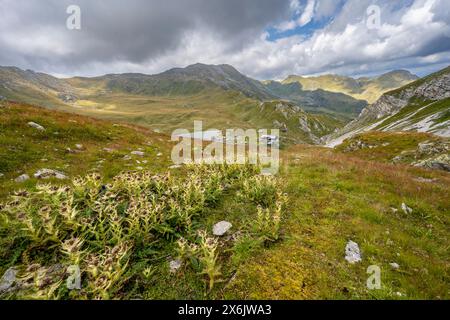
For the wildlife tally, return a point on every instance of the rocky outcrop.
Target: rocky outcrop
(435, 87)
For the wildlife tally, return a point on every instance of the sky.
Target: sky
(264, 39)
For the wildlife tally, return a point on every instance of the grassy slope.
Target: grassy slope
(341, 198)
(331, 201)
(26, 150)
(387, 145)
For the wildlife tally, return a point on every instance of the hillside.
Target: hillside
(422, 106)
(72, 145)
(147, 233)
(167, 101)
(318, 100)
(369, 88)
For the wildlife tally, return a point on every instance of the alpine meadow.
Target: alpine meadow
(235, 150)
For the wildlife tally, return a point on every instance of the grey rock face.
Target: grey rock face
(221, 228)
(8, 280)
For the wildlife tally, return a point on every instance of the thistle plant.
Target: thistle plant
(104, 228)
(260, 190)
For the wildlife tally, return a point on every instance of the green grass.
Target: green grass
(288, 236)
(26, 150)
(340, 198)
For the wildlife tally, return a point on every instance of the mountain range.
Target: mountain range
(366, 88)
(306, 109)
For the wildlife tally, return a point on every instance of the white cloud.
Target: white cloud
(416, 37)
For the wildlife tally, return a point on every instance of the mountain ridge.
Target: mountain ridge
(423, 106)
(365, 88)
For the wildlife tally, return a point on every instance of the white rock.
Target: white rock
(220, 228)
(139, 168)
(36, 126)
(175, 265)
(126, 158)
(138, 153)
(22, 178)
(108, 150)
(394, 265)
(175, 166)
(406, 209)
(159, 154)
(1, 175)
(79, 146)
(352, 252)
(49, 173)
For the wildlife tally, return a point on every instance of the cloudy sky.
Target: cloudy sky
(265, 39)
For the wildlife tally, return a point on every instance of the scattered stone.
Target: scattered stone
(159, 154)
(22, 178)
(126, 158)
(36, 126)
(175, 166)
(406, 209)
(108, 150)
(352, 252)
(79, 146)
(138, 153)
(394, 210)
(425, 180)
(1, 175)
(70, 150)
(175, 265)
(220, 228)
(8, 279)
(139, 168)
(49, 173)
(144, 161)
(394, 265)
